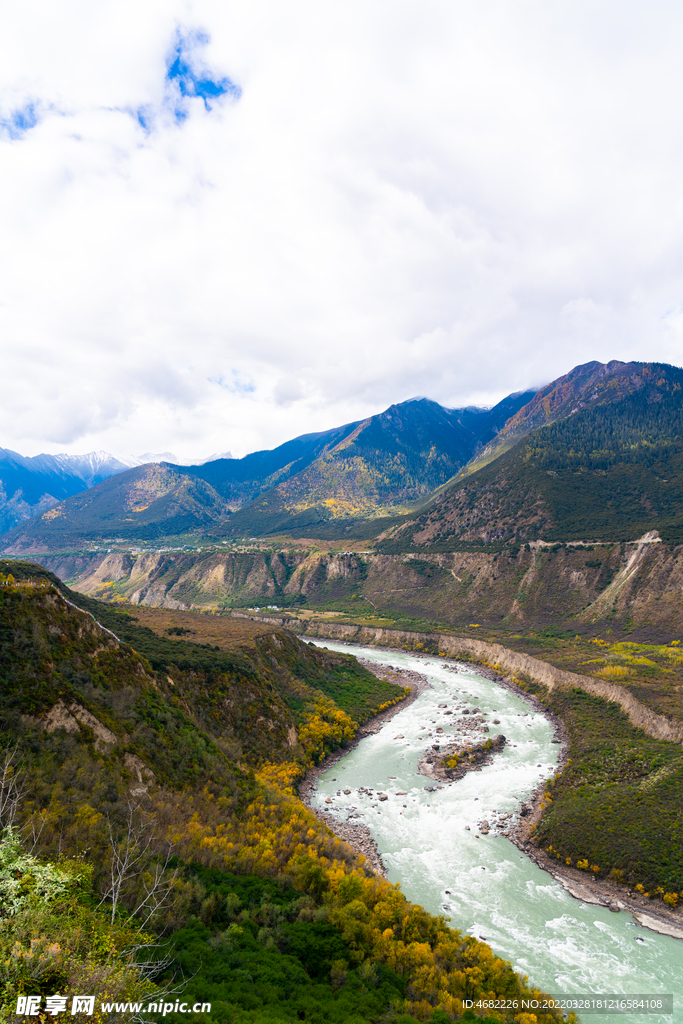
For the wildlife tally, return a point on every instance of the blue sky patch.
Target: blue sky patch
(19, 121)
(144, 118)
(236, 383)
(190, 77)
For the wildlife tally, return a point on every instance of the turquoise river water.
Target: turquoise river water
(483, 883)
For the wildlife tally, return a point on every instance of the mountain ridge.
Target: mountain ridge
(610, 470)
(380, 466)
(587, 383)
(29, 485)
(596, 454)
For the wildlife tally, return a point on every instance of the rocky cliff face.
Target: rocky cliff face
(639, 583)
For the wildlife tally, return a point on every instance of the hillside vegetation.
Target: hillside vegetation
(616, 810)
(384, 464)
(184, 753)
(588, 385)
(55, 939)
(608, 472)
(144, 503)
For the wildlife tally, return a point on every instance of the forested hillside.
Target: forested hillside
(608, 472)
(585, 386)
(596, 455)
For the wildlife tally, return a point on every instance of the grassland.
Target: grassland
(652, 672)
(617, 807)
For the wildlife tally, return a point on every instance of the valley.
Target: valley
(449, 845)
(171, 645)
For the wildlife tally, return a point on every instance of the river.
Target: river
(431, 845)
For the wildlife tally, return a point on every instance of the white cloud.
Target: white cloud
(454, 200)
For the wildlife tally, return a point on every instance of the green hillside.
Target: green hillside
(607, 472)
(262, 674)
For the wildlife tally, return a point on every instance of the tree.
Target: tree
(131, 863)
(13, 787)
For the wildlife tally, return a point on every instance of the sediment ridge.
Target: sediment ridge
(501, 659)
(469, 757)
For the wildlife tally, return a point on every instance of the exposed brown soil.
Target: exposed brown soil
(200, 628)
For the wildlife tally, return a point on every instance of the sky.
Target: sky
(226, 224)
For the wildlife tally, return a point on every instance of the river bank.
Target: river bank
(358, 836)
(480, 652)
(434, 841)
(651, 914)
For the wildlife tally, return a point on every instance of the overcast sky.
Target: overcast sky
(225, 224)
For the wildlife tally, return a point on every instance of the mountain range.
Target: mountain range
(377, 466)
(29, 485)
(595, 455)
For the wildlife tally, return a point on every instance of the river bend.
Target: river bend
(431, 844)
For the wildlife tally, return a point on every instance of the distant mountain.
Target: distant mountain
(30, 485)
(210, 458)
(159, 500)
(142, 460)
(145, 503)
(146, 457)
(586, 385)
(606, 465)
(359, 469)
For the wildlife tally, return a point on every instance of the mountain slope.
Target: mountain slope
(387, 462)
(145, 503)
(29, 485)
(239, 480)
(586, 385)
(612, 470)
